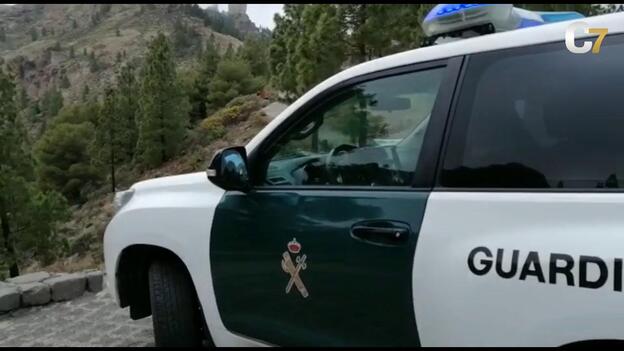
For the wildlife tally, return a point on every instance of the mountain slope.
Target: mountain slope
(49, 45)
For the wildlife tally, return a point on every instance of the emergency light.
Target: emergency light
(456, 21)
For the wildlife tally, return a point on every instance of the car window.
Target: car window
(539, 117)
(367, 135)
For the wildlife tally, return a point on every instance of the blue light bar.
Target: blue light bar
(467, 20)
(445, 9)
(550, 17)
(524, 23)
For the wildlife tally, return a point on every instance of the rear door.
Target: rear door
(523, 237)
(320, 252)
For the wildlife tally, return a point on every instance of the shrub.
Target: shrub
(213, 128)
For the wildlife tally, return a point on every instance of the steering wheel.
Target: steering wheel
(334, 177)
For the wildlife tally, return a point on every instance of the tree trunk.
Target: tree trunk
(113, 185)
(163, 145)
(8, 243)
(112, 159)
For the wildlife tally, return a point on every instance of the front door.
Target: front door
(320, 252)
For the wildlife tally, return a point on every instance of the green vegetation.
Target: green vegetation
(33, 34)
(232, 78)
(51, 102)
(220, 22)
(185, 38)
(163, 109)
(312, 42)
(63, 158)
(239, 109)
(126, 110)
(29, 216)
(157, 107)
(198, 96)
(65, 83)
(94, 64)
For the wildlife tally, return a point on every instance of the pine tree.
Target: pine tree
(65, 83)
(320, 42)
(64, 159)
(71, 52)
(33, 34)
(255, 50)
(22, 99)
(207, 68)
(232, 79)
(312, 41)
(163, 108)
(74, 23)
(28, 217)
(94, 65)
(107, 143)
(127, 110)
(229, 52)
(51, 102)
(11, 167)
(287, 33)
(85, 93)
(46, 56)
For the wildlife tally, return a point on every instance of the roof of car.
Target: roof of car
(521, 37)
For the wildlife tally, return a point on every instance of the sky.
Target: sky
(260, 14)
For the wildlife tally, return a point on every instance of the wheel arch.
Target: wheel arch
(131, 276)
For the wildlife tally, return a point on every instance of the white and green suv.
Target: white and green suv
(462, 194)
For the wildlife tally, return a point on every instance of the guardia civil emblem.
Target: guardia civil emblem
(289, 267)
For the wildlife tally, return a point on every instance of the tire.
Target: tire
(176, 314)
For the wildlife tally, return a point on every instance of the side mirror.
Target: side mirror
(228, 169)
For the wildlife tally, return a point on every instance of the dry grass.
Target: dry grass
(68, 265)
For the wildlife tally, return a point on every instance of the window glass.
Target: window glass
(367, 135)
(539, 117)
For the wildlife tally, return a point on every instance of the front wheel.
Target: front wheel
(176, 314)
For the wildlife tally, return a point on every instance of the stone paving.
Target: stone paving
(90, 320)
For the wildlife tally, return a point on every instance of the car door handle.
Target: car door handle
(381, 232)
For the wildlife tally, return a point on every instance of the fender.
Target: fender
(174, 213)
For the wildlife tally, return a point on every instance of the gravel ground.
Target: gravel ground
(90, 320)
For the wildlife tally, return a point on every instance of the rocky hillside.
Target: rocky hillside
(70, 46)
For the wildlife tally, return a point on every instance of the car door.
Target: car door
(320, 251)
(525, 225)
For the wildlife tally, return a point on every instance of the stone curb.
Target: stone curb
(40, 288)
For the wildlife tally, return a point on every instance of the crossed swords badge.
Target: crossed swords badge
(289, 267)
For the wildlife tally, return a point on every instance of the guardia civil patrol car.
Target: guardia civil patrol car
(466, 193)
